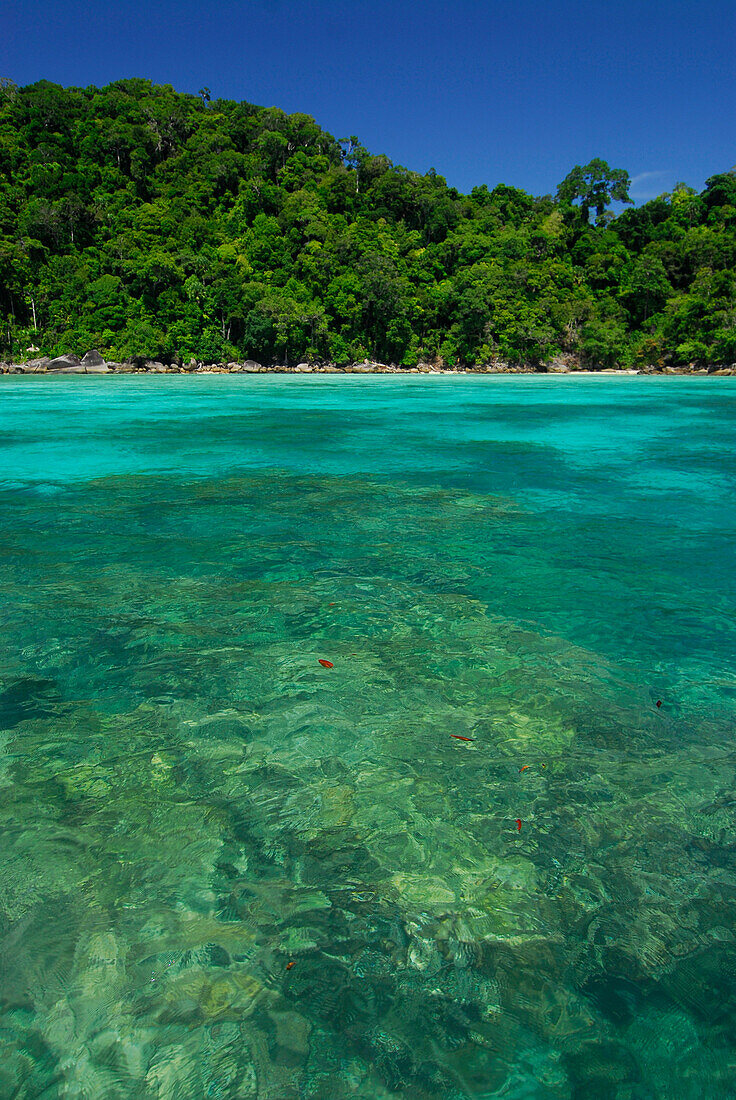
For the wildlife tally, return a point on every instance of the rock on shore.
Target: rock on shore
(94, 363)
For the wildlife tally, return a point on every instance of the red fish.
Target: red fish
(659, 702)
(289, 965)
(459, 738)
(325, 664)
(518, 824)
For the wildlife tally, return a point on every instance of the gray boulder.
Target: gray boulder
(68, 363)
(303, 368)
(26, 368)
(363, 368)
(36, 366)
(93, 359)
(251, 367)
(558, 365)
(154, 366)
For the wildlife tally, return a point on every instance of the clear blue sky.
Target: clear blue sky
(482, 90)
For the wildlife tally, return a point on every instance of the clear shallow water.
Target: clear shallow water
(189, 802)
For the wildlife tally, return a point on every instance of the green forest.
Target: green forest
(147, 223)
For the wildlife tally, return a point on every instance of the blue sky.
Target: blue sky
(483, 91)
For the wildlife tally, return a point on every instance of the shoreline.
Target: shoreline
(94, 364)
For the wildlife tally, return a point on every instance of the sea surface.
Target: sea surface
(491, 852)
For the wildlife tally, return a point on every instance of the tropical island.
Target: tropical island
(170, 231)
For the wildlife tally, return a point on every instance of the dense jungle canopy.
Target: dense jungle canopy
(149, 223)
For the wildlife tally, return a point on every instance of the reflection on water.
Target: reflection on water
(231, 872)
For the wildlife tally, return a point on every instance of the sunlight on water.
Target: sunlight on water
(230, 871)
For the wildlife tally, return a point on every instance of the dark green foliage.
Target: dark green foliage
(593, 187)
(148, 223)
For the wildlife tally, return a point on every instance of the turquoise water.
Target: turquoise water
(190, 803)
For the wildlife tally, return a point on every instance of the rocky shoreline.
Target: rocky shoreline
(94, 363)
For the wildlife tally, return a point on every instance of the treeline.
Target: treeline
(149, 223)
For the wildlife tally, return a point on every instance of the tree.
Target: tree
(354, 156)
(8, 88)
(594, 187)
(646, 288)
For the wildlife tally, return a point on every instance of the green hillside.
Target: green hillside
(149, 223)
